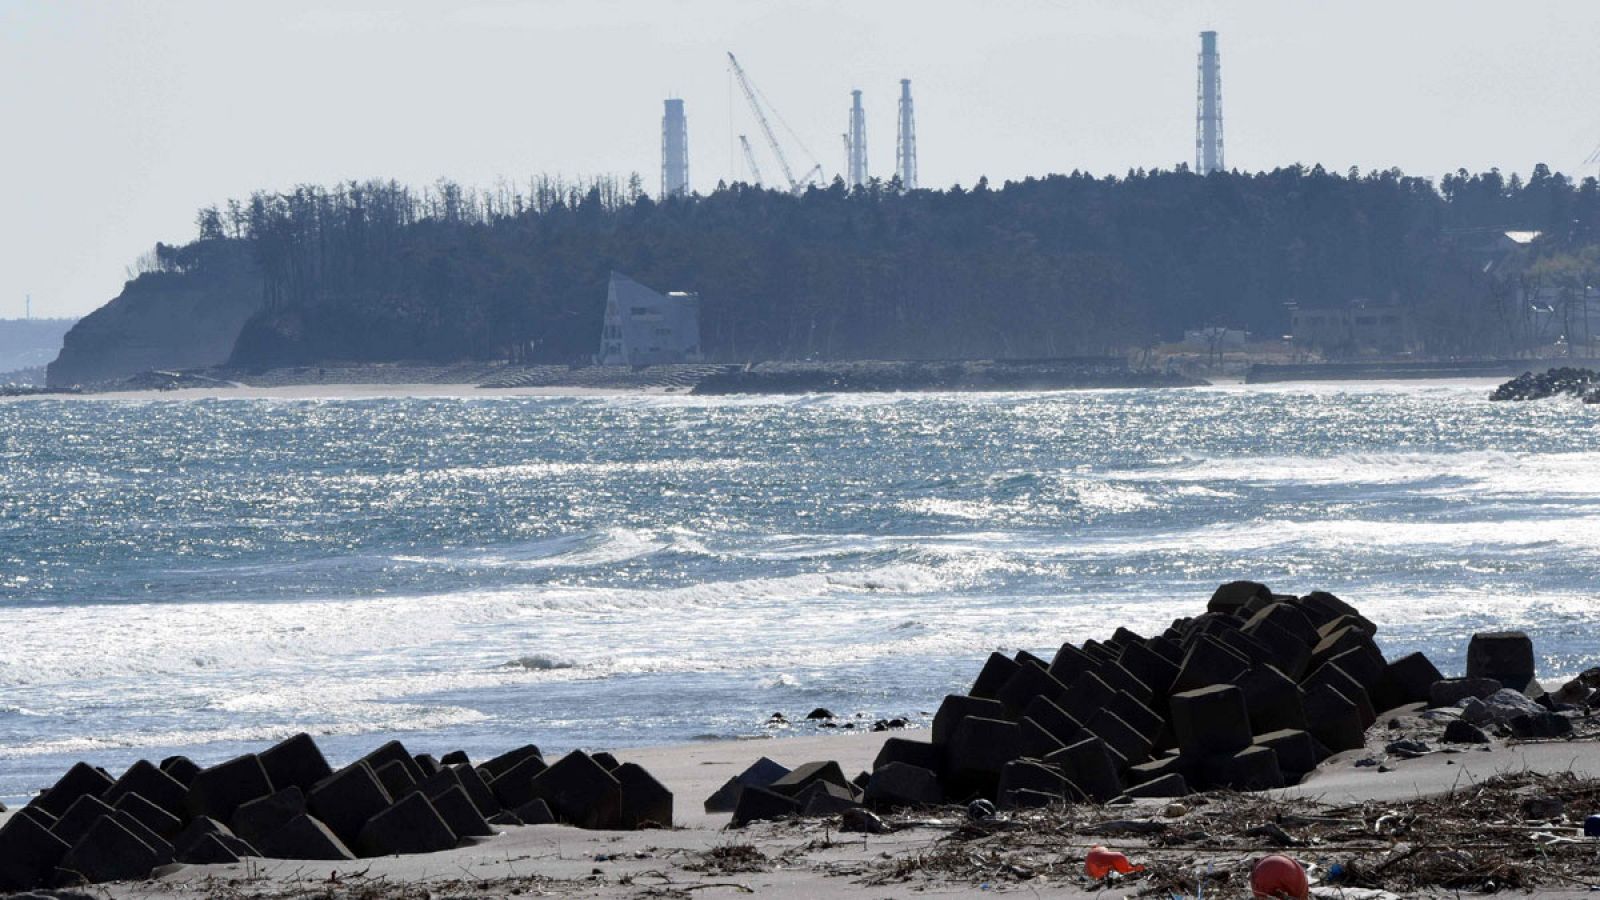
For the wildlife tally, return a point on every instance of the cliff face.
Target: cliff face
(165, 320)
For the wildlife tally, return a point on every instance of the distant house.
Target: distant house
(1215, 338)
(1361, 325)
(643, 327)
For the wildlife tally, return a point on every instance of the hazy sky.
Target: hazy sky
(120, 119)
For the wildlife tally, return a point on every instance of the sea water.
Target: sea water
(205, 576)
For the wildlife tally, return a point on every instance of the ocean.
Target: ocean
(205, 576)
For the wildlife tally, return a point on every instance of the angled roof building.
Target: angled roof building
(643, 327)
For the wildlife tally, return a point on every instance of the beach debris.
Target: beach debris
(1278, 876)
(1101, 862)
(288, 803)
(1591, 827)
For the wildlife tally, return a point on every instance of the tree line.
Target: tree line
(1054, 266)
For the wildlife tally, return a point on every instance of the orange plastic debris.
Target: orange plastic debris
(1278, 876)
(1102, 862)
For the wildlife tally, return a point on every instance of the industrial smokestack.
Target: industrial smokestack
(906, 140)
(857, 140)
(674, 151)
(1208, 115)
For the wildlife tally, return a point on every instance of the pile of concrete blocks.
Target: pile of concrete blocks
(288, 803)
(1253, 694)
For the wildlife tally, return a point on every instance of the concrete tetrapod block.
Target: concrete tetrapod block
(1284, 651)
(456, 758)
(305, 837)
(1506, 656)
(1055, 720)
(996, 671)
(1208, 662)
(824, 798)
(1150, 667)
(1273, 700)
(480, 792)
(1070, 662)
(494, 768)
(1090, 765)
(182, 768)
(295, 762)
(1284, 617)
(762, 773)
(81, 780)
(1171, 784)
(411, 825)
(1343, 641)
(1138, 714)
(156, 842)
(900, 784)
(80, 817)
(983, 746)
(581, 792)
(1409, 679)
(256, 820)
(428, 764)
(149, 815)
(1037, 741)
(1334, 719)
(219, 790)
(148, 781)
(110, 851)
(1029, 775)
(606, 760)
(395, 776)
(956, 707)
(1119, 735)
(394, 751)
(759, 804)
(345, 800)
(1030, 680)
(1161, 766)
(460, 813)
(1118, 678)
(1335, 677)
(1211, 720)
(646, 802)
(1228, 598)
(1364, 666)
(206, 850)
(28, 853)
(1296, 751)
(1087, 695)
(1252, 769)
(197, 828)
(905, 750)
(796, 781)
(534, 812)
(514, 786)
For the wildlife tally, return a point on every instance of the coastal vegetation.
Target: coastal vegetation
(1045, 267)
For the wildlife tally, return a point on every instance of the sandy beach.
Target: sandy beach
(809, 858)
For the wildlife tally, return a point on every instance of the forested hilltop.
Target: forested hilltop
(1054, 266)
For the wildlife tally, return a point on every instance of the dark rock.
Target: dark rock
(759, 804)
(1451, 691)
(900, 784)
(1252, 769)
(110, 851)
(762, 773)
(295, 762)
(150, 815)
(257, 820)
(646, 802)
(957, 707)
(819, 713)
(1334, 719)
(28, 853)
(306, 837)
(581, 792)
(345, 800)
(1211, 720)
(411, 825)
(82, 780)
(219, 790)
(181, 768)
(148, 781)
(1540, 725)
(460, 813)
(1459, 732)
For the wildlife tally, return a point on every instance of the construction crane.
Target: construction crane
(796, 186)
(750, 159)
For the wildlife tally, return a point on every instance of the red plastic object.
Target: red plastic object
(1278, 876)
(1102, 862)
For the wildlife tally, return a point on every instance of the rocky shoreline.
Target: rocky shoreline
(1583, 384)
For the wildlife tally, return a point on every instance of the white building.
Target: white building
(643, 327)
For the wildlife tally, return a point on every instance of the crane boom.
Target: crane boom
(750, 159)
(761, 119)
